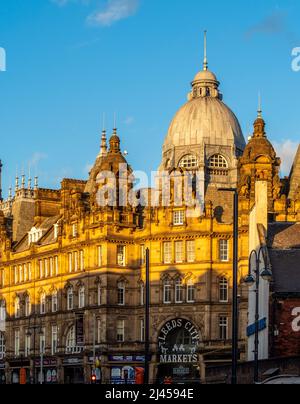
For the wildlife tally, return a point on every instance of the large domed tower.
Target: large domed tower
(205, 135)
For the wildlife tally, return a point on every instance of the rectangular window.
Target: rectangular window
(16, 275)
(190, 293)
(223, 286)
(99, 256)
(223, 328)
(167, 293)
(82, 265)
(191, 251)
(142, 330)
(56, 266)
(51, 263)
(81, 297)
(224, 250)
(99, 295)
(46, 268)
(20, 273)
(142, 255)
(17, 343)
(43, 341)
(70, 262)
(179, 252)
(54, 302)
(70, 299)
(29, 271)
(25, 270)
(167, 252)
(75, 261)
(27, 343)
(121, 294)
(178, 217)
(121, 258)
(121, 331)
(41, 269)
(54, 339)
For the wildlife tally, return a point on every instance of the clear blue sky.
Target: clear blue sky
(68, 61)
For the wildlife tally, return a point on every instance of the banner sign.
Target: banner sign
(80, 330)
(178, 342)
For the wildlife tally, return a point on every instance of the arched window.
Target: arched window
(223, 290)
(2, 345)
(81, 297)
(190, 291)
(70, 299)
(190, 161)
(54, 302)
(217, 161)
(27, 306)
(71, 340)
(178, 291)
(43, 303)
(167, 292)
(17, 307)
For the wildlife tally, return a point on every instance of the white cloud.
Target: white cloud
(36, 158)
(114, 10)
(286, 150)
(129, 120)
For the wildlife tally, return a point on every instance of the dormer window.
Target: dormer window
(34, 235)
(75, 230)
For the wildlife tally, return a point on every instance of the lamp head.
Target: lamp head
(267, 275)
(249, 281)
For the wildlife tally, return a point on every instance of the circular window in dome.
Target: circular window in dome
(217, 161)
(190, 161)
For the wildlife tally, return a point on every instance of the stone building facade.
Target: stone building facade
(72, 271)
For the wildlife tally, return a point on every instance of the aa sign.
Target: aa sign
(296, 321)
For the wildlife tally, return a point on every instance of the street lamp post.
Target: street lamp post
(252, 279)
(235, 304)
(147, 318)
(34, 328)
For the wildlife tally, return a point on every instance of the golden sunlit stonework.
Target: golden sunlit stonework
(73, 273)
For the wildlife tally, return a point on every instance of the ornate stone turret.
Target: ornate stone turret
(114, 143)
(259, 161)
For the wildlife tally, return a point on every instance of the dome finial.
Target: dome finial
(259, 111)
(103, 148)
(205, 62)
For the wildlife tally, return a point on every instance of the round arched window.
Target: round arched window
(189, 161)
(217, 161)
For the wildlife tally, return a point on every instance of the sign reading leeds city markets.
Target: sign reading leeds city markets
(178, 342)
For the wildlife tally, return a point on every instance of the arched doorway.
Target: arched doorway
(178, 352)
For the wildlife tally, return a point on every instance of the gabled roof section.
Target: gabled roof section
(47, 234)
